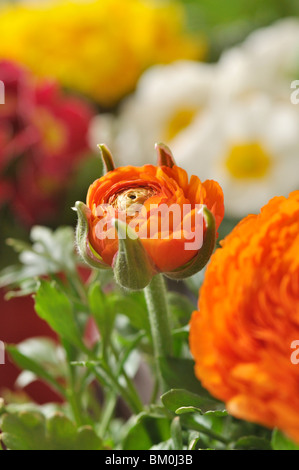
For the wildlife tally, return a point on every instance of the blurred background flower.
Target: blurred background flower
(232, 120)
(166, 101)
(97, 47)
(43, 135)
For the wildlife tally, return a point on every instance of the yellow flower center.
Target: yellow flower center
(179, 121)
(248, 160)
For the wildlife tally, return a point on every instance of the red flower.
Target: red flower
(43, 134)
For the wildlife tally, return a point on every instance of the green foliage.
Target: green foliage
(50, 252)
(224, 24)
(42, 357)
(96, 376)
(175, 399)
(281, 442)
(144, 431)
(31, 430)
(53, 306)
(185, 417)
(178, 371)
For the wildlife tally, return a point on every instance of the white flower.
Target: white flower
(248, 137)
(168, 98)
(250, 147)
(267, 61)
(232, 121)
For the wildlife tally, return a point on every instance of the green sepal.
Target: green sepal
(107, 157)
(198, 262)
(132, 267)
(84, 247)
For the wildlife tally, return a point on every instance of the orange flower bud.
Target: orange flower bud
(248, 319)
(168, 214)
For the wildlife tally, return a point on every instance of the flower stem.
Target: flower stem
(155, 296)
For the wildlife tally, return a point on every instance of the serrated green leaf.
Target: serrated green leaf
(53, 306)
(23, 431)
(30, 430)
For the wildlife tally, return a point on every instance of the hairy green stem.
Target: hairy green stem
(155, 296)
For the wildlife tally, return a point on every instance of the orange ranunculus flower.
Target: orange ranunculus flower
(249, 316)
(166, 184)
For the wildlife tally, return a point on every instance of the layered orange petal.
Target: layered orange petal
(248, 317)
(155, 187)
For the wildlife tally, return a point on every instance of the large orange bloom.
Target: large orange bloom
(151, 185)
(249, 316)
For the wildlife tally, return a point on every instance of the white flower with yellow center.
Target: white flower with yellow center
(267, 61)
(248, 138)
(167, 100)
(250, 147)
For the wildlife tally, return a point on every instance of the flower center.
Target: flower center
(127, 200)
(248, 160)
(179, 121)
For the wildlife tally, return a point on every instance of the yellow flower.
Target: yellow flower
(97, 47)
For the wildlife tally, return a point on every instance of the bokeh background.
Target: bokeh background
(216, 81)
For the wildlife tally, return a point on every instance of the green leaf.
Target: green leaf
(26, 287)
(216, 413)
(145, 431)
(165, 445)
(188, 409)
(196, 444)
(181, 307)
(176, 434)
(43, 357)
(63, 434)
(51, 252)
(23, 431)
(102, 312)
(132, 306)
(200, 425)
(180, 399)
(280, 441)
(30, 430)
(178, 371)
(252, 443)
(30, 364)
(53, 306)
